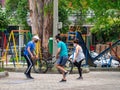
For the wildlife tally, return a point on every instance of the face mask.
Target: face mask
(74, 45)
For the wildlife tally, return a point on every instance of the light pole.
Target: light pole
(55, 25)
(21, 39)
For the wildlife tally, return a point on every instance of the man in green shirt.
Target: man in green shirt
(61, 56)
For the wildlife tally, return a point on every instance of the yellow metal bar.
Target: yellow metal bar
(38, 49)
(15, 50)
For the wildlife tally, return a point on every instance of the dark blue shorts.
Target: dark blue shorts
(62, 60)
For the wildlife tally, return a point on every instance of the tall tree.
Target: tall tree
(33, 16)
(48, 22)
(41, 17)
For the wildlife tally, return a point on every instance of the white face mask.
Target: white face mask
(74, 45)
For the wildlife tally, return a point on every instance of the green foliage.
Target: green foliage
(105, 16)
(78, 8)
(3, 20)
(48, 9)
(1, 69)
(106, 19)
(68, 7)
(14, 59)
(17, 11)
(63, 15)
(22, 10)
(11, 6)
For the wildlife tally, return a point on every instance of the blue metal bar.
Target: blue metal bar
(106, 50)
(89, 59)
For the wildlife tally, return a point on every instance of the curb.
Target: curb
(51, 71)
(105, 69)
(54, 71)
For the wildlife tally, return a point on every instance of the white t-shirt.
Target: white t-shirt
(79, 57)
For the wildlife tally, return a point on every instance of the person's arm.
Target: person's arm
(34, 53)
(76, 53)
(31, 54)
(58, 52)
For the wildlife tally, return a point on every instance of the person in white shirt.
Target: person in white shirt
(77, 57)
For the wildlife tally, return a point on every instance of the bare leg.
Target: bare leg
(61, 68)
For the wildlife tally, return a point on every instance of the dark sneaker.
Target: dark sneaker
(27, 76)
(79, 78)
(31, 77)
(63, 80)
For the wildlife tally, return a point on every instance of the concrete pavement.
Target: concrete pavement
(102, 80)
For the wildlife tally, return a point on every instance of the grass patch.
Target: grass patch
(14, 59)
(1, 69)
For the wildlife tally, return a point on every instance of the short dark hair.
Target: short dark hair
(58, 37)
(76, 41)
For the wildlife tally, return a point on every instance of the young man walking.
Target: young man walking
(61, 56)
(30, 55)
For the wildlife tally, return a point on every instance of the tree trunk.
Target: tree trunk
(42, 24)
(33, 16)
(40, 20)
(48, 25)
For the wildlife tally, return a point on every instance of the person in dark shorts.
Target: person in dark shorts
(30, 55)
(61, 56)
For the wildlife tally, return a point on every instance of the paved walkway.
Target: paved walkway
(91, 81)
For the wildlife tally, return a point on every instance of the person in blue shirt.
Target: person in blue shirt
(61, 56)
(30, 55)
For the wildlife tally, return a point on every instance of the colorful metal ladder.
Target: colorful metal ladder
(71, 37)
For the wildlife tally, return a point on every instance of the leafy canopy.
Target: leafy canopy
(106, 19)
(17, 11)
(3, 20)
